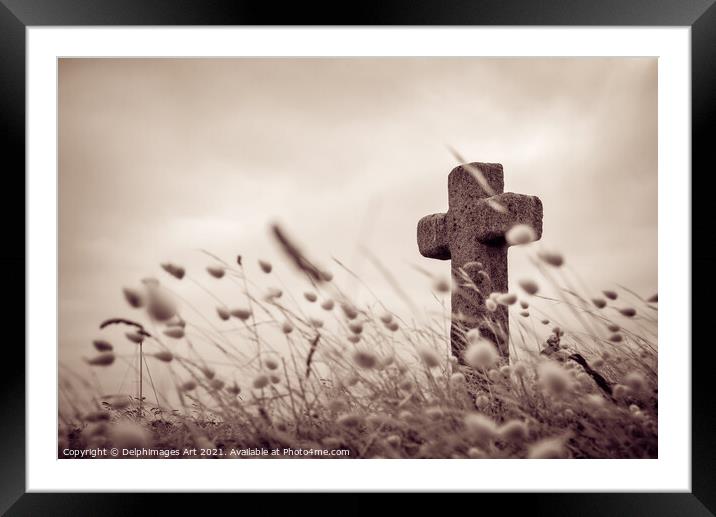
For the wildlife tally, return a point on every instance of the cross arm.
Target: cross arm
(497, 214)
(433, 237)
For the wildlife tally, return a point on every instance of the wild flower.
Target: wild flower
(490, 305)
(520, 234)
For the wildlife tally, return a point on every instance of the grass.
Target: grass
(268, 373)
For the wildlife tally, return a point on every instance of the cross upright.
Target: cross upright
(472, 235)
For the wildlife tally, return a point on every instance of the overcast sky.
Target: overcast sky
(161, 157)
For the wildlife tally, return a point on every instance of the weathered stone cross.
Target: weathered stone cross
(472, 234)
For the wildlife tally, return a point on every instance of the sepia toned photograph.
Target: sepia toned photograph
(357, 258)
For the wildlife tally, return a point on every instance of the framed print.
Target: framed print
(427, 252)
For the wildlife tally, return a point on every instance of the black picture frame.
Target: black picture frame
(17, 15)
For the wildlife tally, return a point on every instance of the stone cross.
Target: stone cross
(472, 235)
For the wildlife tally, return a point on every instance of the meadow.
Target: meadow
(262, 371)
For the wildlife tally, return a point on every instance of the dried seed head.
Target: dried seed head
(612, 295)
(265, 266)
(134, 337)
(102, 346)
(599, 303)
(223, 313)
(356, 327)
(653, 298)
(350, 311)
(174, 332)
(520, 234)
(216, 271)
(528, 285)
(160, 306)
(315, 322)
(327, 304)
(482, 402)
(629, 312)
(126, 434)
(271, 363)
(234, 389)
(514, 431)
(216, 384)
(310, 296)
(386, 318)
(353, 338)
(241, 313)
(350, 420)
(524, 304)
(441, 285)
(286, 327)
(133, 297)
(337, 405)
(480, 427)
(104, 359)
(177, 272)
(545, 322)
(507, 298)
(429, 357)
(165, 356)
(519, 369)
(615, 338)
(525, 314)
(553, 258)
(261, 381)
(548, 448)
(481, 353)
(189, 385)
(365, 359)
(490, 305)
(208, 372)
(636, 381)
(457, 380)
(392, 326)
(553, 378)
